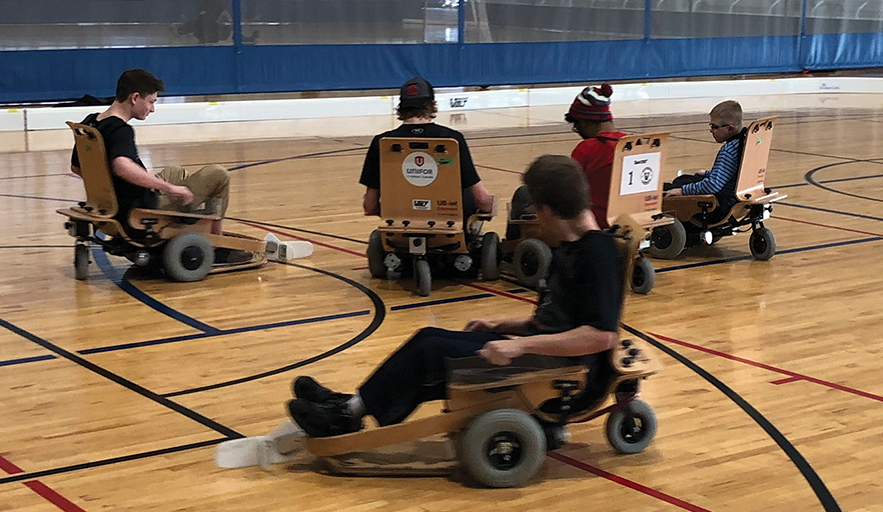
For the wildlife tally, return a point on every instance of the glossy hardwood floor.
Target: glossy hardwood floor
(116, 390)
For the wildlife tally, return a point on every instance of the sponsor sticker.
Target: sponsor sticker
(419, 169)
(422, 204)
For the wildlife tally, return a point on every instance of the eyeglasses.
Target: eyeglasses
(716, 126)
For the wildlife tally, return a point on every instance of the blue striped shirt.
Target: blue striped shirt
(720, 180)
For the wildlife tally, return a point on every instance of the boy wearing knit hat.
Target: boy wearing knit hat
(416, 110)
(591, 119)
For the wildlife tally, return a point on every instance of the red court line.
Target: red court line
(320, 244)
(827, 226)
(497, 292)
(40, 488)
(793, 375)
(626, 482)
(787, 380)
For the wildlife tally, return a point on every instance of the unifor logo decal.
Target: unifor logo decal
(458, 102)
(419, 169)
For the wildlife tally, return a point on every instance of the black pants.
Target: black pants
(416, 373)
(714, 216)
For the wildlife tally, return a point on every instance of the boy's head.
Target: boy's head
(725, 120)
(137, 89)
(557, 182)
(416, 99)
(589, 110)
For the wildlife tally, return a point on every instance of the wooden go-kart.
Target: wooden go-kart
(691, 213)
(421, 204)
(182, 244)
(635, 190)
(502, 420)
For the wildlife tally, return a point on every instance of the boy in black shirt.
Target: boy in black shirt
(416, 110)
(135, 186)
(576, 319)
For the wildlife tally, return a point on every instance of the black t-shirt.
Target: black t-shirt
(468, 175)
(119, 140)
(585, 287)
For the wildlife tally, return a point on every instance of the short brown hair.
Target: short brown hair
(140, 81)
(558, 182)
(729, 112)
(429, 109)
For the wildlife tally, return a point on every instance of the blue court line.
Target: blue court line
(24, 360)
(187, 337)
(786, 251)
(116, 275)
(222, 332)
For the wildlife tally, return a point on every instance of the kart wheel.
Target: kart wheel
(81, 262)
(424, 277)
(631, 428)
(643, 276)
(531, 262)
(490, 257)
(188, 257)
(503, 448)
(762, 243)
(375, 255)
(667, 242)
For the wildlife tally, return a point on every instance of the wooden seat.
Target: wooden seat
(752, 208)
(148, 231)
(421, 205)
(476, 387)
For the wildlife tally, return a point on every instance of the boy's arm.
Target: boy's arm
(127, 169)
(579, 341)
(724, 171)
(517, 326)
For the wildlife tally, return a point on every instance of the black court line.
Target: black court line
(441, 301)
(379, 315)
(810, 178)
(107, 374)
(117, 276)
(786, 251)
(838, 180)
(107, 462)
(828, 210)
(815, 482)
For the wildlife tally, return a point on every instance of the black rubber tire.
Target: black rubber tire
(424, 277)
(376, 255)
(490, 256)
(531, 262)
(625, 434)
(643, 276)
(81, 262)
(762, 244)
(503, 448)
(188, 257)
(667, 242)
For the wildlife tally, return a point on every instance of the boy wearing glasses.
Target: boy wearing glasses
(725, 123)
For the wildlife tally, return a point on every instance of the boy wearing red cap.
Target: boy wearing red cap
(416, 110)
(592, 120)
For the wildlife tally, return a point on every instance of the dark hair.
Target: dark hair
(140, 81)
(558, 182)
(430, 109)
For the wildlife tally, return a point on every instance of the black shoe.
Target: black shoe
(308, 389)
(323, 420)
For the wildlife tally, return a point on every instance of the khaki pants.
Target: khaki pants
(210, 185)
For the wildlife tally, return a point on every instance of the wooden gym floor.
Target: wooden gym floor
(116, 390)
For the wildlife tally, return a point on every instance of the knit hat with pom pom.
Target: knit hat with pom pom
(592, 104)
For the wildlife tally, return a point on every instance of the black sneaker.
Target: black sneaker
(307, 388)
(323, 420)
